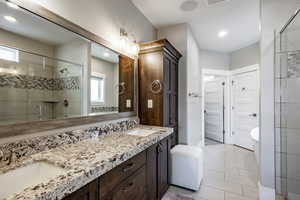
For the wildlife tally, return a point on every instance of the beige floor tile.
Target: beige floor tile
(230, 196)
(209, 193)
(214, 175)
(230, 173)
(250, 192)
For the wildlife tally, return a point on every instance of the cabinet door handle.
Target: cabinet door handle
(129, 167)
(130, 185)
(160, 148)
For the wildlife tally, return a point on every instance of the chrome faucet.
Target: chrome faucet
(6, 159)
(1, 154)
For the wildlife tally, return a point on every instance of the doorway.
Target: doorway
(230, 106)
(214, 104)
(245, 106)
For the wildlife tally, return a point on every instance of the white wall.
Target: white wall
(274, 14)
(24, 43)
(105, 17)
(194, 85)
(109, 70)
(214, 60)
(244, 57)
(189, 81)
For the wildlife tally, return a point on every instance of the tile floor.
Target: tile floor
(230, 173)
(210, 142)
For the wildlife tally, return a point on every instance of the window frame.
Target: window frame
(96, 75)
(14, 51)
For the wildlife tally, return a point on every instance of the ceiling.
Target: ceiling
(104, 53)
(239, 17)
(34, 27)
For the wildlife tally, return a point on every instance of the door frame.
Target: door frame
(228, 96)
(226, 75)
(233, 73)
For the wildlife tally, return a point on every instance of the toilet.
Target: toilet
(187, 166)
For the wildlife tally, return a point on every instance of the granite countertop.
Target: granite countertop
(85, 161)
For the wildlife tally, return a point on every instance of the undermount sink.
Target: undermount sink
(15, 181)
(141, 132)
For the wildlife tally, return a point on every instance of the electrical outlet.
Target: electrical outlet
(150, 103)
(128, 103)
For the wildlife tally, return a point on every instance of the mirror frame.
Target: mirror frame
(32, 127)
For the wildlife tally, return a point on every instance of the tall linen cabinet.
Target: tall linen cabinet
(158, 85)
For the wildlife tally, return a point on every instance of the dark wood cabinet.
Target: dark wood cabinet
(158, 169)
(158, 85)
(133, 188)
(126, 83)
(88, 192)
(110, 180)
(143, 177)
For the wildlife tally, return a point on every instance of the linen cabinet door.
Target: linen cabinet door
(163, 168)
(152, 172)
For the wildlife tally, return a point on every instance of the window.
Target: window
(9, 54)
(97, 88)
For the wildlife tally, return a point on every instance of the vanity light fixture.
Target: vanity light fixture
(106, 54)
(12, 5)
(10, 19)
(131, 47)
(223, 34)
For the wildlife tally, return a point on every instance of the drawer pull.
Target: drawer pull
(130, 185)
(129, 167)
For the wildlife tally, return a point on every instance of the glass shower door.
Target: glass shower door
(287, 109)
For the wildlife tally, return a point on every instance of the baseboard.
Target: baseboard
(266, 193)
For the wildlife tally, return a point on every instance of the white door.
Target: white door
(244, 108)
(214, 109)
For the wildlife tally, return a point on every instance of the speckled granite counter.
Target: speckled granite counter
(84, 161)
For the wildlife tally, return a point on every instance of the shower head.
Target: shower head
(64, 70)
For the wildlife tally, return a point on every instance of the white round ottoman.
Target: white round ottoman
(187, 166)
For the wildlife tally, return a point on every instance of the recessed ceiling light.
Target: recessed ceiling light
(106, 54)
(10, 19)
(189, 5)
(222, 34)
(12, 5)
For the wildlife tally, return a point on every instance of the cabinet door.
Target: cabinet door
(163, 168)
(133, 188)
(88, 192)
(152, 172)
(171, 94)
(126, 82)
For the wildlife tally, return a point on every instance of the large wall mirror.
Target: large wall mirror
(48, 72)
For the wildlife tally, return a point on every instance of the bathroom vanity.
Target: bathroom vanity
(117, 165)
(141, 177)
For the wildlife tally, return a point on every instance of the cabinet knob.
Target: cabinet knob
(129, 167)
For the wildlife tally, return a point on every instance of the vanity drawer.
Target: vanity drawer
(133, 188)
(114, 177)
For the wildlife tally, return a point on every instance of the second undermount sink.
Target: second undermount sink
(15, 181)
(141, 132)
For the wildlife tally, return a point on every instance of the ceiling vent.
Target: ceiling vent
(212, 2)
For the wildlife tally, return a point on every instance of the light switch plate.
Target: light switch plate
(128, 103)
(150, 103)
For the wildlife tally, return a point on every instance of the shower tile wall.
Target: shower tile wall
(33, 89)
(287, 118)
